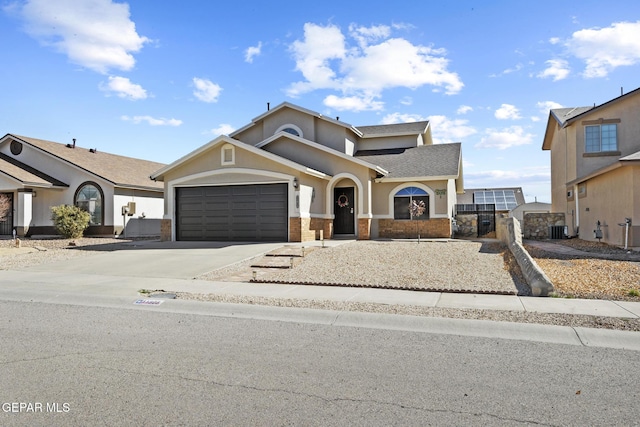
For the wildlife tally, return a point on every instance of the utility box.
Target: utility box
(132, 208)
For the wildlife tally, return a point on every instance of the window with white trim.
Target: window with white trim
(290, 128)
(600, 138)
(228, 154)
(403, 199)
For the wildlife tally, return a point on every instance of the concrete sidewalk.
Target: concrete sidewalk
(59, 285)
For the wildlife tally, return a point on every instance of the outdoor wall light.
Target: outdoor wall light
(295, 182)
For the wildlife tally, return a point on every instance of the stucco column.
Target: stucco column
(24, 212)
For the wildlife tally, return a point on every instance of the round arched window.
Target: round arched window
(89, 198)
(403, 199)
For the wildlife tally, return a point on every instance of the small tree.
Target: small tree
(5, 207)
(417, 208)
(70, 221)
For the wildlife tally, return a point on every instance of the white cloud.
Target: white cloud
(222, 129)
(96, 34)
(445, 130)
(251, 52)
(554, 40)
(152, 120)
(506, 138)
(353, 103)
(507, 112)
(464, 109)
(558, 69)
(605, 49)
(402, 118)
(123, 88)
(500, 178)
(364, 70)
(206, 90)
(407, 100)
(545, 106)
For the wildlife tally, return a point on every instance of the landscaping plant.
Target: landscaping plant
(70, 221)
(5, 207)
(417, 208)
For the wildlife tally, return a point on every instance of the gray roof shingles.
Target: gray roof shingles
(423, 161)
(393, 129)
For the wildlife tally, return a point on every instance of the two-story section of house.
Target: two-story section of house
(293, 174)
(595, 169)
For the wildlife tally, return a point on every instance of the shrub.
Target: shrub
(70, 221)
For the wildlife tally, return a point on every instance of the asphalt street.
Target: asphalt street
(113, 366)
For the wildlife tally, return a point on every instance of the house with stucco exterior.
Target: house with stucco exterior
(292, 174)
(36, 174)
(595, 168)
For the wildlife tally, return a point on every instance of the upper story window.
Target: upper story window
(292, 129)
(403, 199)
(601, 138)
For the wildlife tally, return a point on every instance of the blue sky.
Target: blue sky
(157, 80)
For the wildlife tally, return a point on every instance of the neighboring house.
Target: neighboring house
(504, 198)
(533, 207)
(38, 174)
(294, 175)
(595, 168)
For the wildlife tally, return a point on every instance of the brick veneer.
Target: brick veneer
(406, 229)
(165, 230)
(364, 228)
(306, 229)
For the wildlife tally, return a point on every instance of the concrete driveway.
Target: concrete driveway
(179, 260)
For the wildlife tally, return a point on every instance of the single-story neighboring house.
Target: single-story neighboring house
(293, 174)
(504, 198)
(533, 207)
(36, 174)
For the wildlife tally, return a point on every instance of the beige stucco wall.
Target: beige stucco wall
(610, 199)
(627, 111)
(389, 142)
(563, 166)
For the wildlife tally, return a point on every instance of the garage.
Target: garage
(249, 213)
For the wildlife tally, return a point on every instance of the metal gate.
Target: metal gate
(486, 214)
(6, 225)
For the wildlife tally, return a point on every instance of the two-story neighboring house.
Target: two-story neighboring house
(293, 174)
(595, 168)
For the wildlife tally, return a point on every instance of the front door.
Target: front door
(344, 209)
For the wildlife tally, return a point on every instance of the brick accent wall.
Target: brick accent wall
(406, 229)
(364, 228)
(307, 229)
(165, 230)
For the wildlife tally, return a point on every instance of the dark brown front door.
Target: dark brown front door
(344, 209)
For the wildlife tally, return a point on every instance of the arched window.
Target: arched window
(403, 199)
(89, 198)
(292, 129)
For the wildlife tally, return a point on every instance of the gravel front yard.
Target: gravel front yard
(486, 266)
(449, 266)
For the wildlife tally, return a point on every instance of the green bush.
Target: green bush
(70, 221)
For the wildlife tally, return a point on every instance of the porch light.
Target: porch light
(295, 182)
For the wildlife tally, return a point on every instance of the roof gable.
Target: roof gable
(159, 174)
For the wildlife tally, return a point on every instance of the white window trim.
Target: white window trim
(224, 149)
(289, 125)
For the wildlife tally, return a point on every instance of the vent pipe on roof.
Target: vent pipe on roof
(268, 106)
(74, 143)
(621, 91)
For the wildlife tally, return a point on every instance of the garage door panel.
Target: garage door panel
(226, 213)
